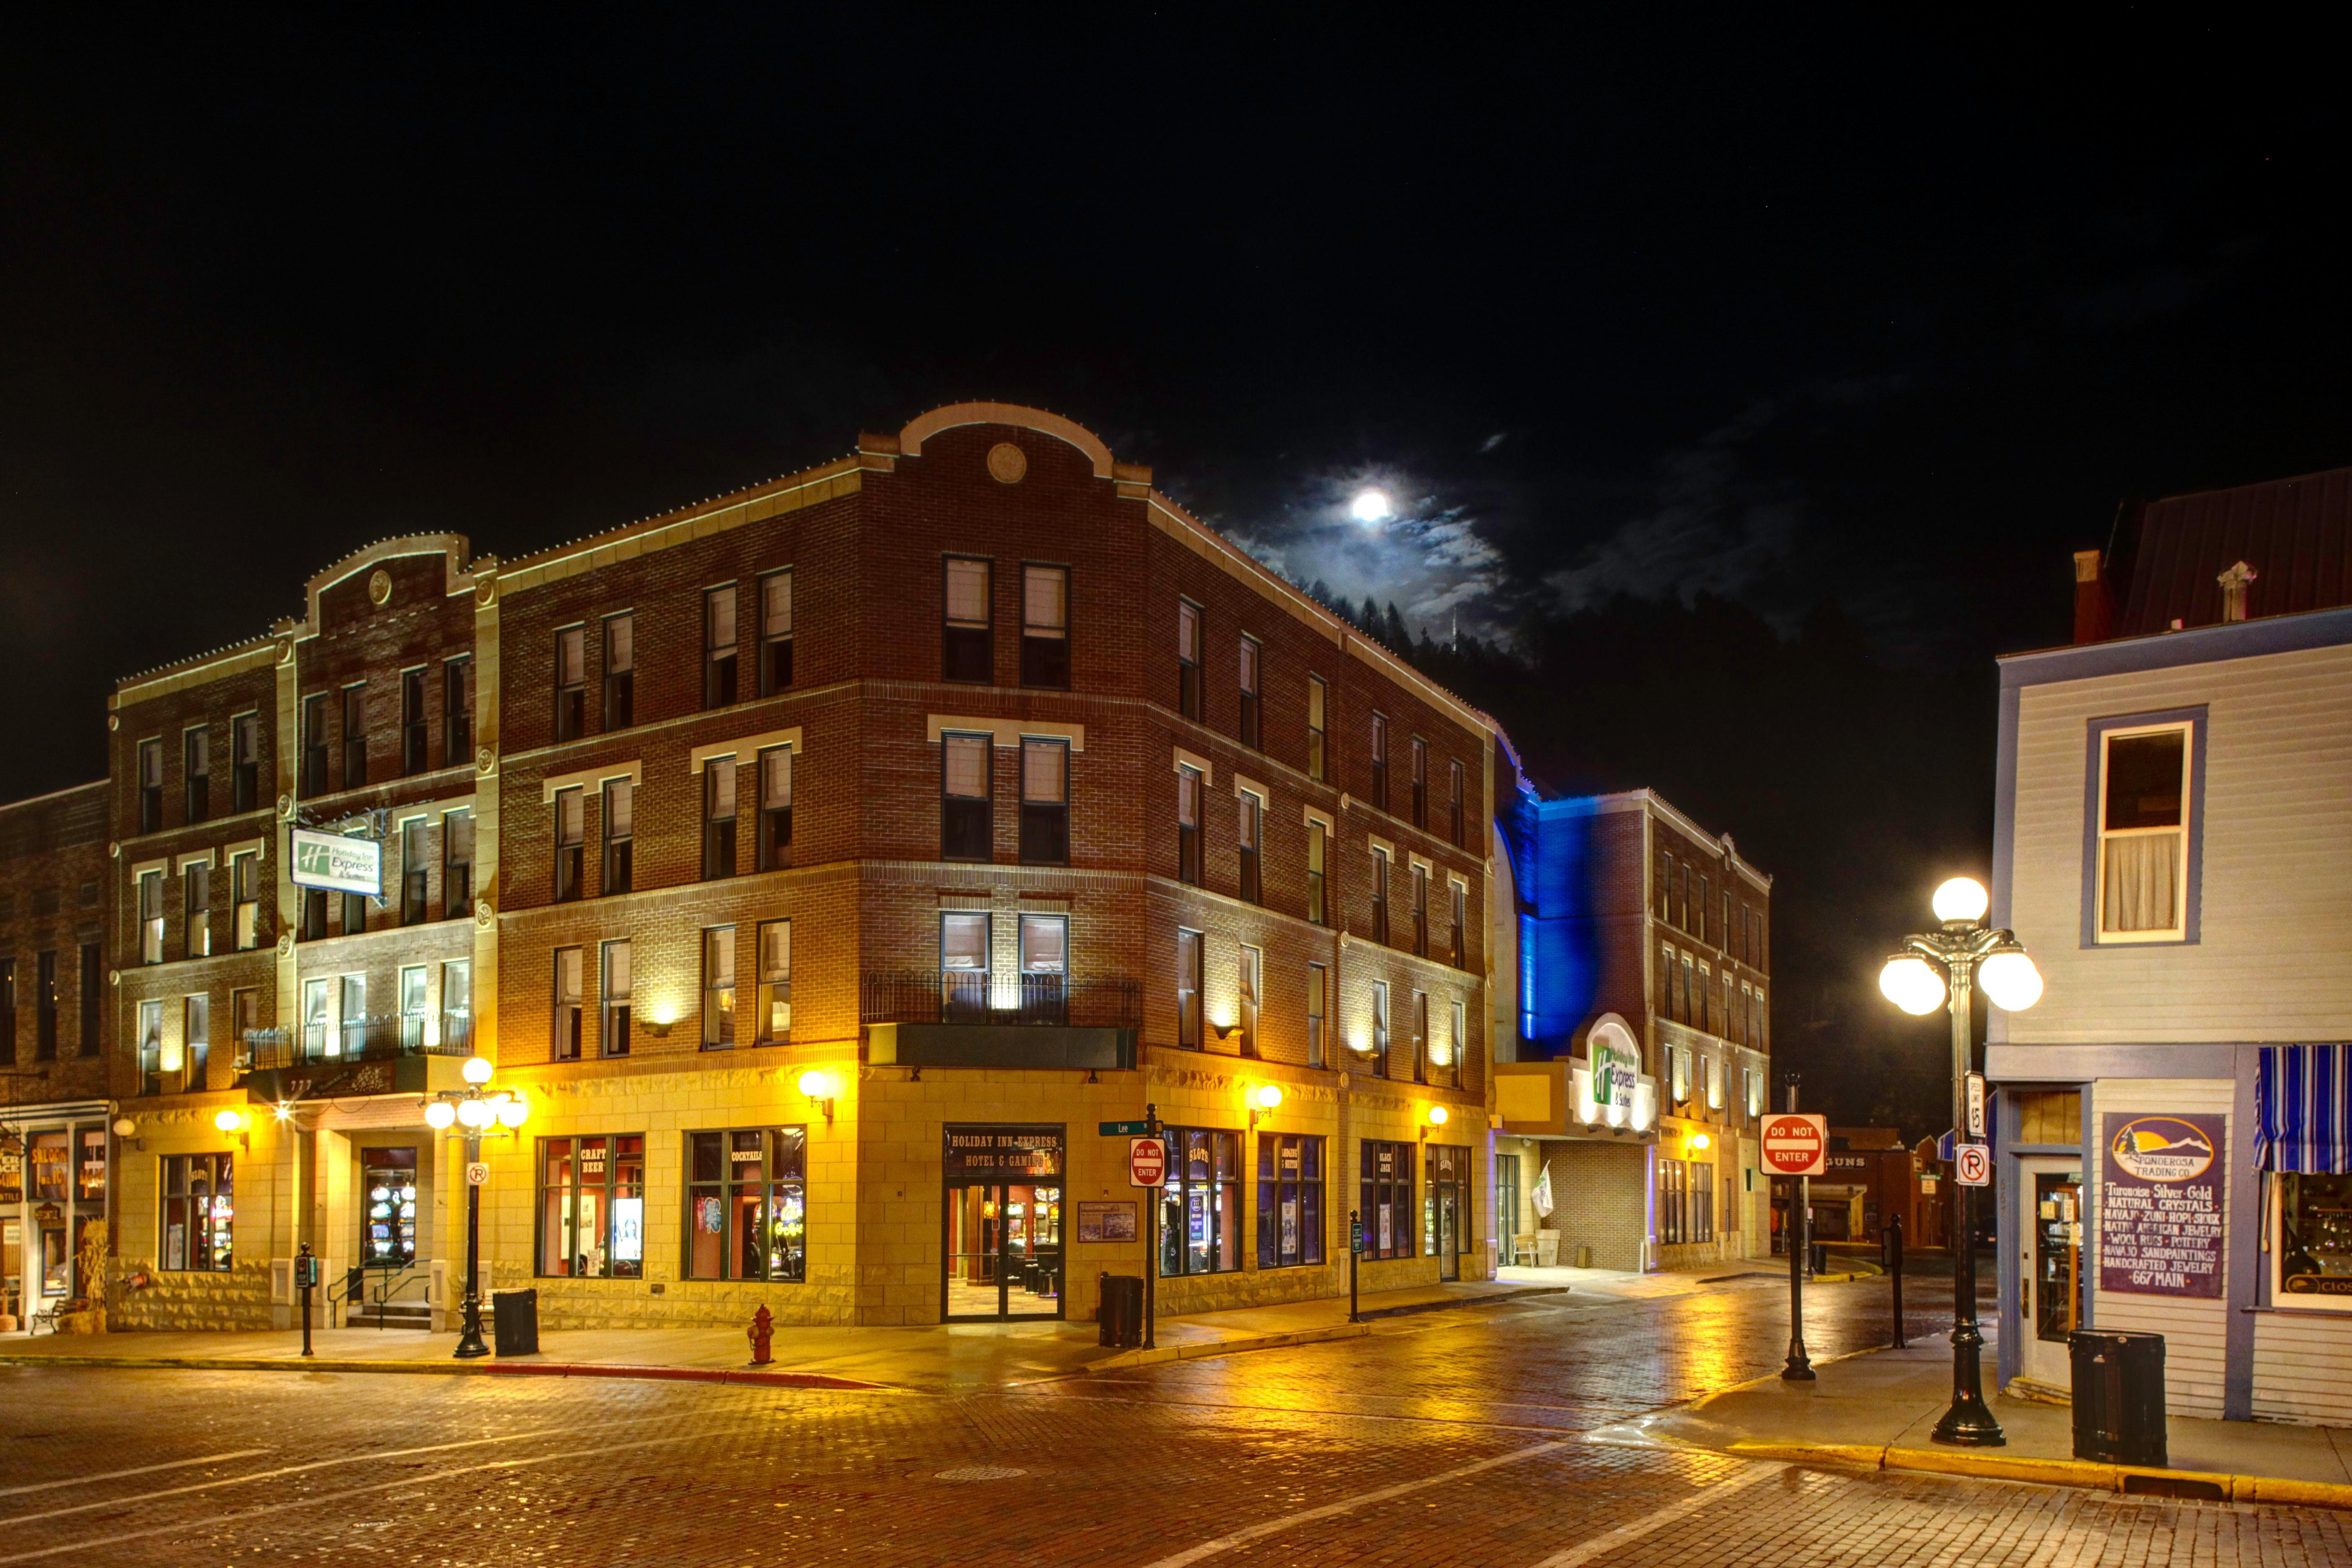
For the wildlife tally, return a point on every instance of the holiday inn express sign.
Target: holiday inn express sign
(338, 864)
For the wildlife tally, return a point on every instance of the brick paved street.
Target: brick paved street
(1456, 1438)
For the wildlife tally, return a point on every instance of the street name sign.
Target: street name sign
(1972, 1165)
(1147, 1162)
(1356, 1236)
(1125, 1129)
(1797, 1145)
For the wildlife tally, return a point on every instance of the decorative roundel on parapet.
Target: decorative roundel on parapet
(379, 585)
(1007, 463)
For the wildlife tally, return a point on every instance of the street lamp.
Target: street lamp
(478, 1108)
(1968, 951)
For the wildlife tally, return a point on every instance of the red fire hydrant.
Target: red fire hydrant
(758, 1334)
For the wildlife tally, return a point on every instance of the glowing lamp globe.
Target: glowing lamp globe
(2011, 981)
(1266, 1096)
(440, 1114)
(817, 1084)
(474, 1114)
(513, 1112)
(1701, 1140)
(1912, 984)
(477, 1069)
(1437, 1116)
(228, 1120)
(1961, 898)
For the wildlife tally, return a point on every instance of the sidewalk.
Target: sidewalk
(952, 1358)
(1875, 1411)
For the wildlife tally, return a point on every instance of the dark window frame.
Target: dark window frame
(1306, 1189)
(195, 772)
(784, 1170)
(616, 864)
(244, 762)
(1380, 760)
(570, 838)
(1045, 650)
(1189, 974)
(617, 666)
(457, 711)
(774, 850)
(1226, 1223)
(968, 822)
(1045, 820)
(776, 646)
(719, 816)
(1192, 780)
(414, 727)
(968, 645)
(204, 1234)
(1249, 681)
(148, 758)
(1399, 1186)
(571, 711)
(354, 716)
(608, 1189)
(721, 686)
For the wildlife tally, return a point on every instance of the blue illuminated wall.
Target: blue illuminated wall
(1562, 857)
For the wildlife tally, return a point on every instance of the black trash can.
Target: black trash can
(1121, 1313)
(1817, 1258)
(2118, 1398)
(516, 1321)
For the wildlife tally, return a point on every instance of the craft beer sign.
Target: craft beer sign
(2160, 1203)
(1797, 1145)
(338, 864)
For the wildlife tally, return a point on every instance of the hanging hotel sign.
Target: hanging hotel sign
(337, 863)
(2160, 1214)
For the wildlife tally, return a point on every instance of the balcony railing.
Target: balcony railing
(380, 1036)
(973, 996)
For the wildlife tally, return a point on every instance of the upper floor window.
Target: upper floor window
(775, 808)
(719, 643)
(1421, 1037)
(457, 864)
(717, 988)
(1252, 983)
(1666, 875)
(1318, 1005)
(774, 1019)
(411, 721)
(1187, 658)
(456, 713)
(1044, 802)
(620, 671)
(1045, 625)
(1318, 696)
(150, 786)
(571, 683)
(718, 817)
(196, 772)
(1454, 823)
(571, 843)
(314, 744)
(1379, 1028)
(354, 735)
(1318, 840)
(967, 805)
(151, 917)
(1379, 761)
(613, 1000)
(245, 889)
(966, 653)
(1706, 887)
(1420, 909)
(1418, 755)
(244, 762)
(775, 633)
(2143, 833)
(1188, 825)
(45, 1003)
(1246, 836)
(1457, 1045)
(1460, 923)
(196, 908)
(414, 863)
(1251, 654)
(620, 835)
(1189, 946)
(1380, 895)
(568, 1002)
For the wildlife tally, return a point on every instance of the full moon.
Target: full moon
(1371, 506)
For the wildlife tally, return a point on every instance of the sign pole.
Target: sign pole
(470, 1338)
(1355, 1250)
(1970, 1423)
(1800, 1367)
(1152, 1245)
(306, 1270)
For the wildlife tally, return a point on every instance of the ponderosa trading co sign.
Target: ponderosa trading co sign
(338, 864)
(2160, 1231)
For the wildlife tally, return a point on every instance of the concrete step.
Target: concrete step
(391, 1315)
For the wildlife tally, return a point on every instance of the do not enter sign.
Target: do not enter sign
(1147, 1162)
(1797, 1145)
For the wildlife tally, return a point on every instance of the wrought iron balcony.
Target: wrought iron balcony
(973, 996)
(379, 1037)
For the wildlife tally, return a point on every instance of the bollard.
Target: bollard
(1894, 1238)
(758, 1334)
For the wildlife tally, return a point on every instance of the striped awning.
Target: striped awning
(2302, 1105)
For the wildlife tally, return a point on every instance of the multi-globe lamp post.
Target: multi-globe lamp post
(1935, 970)
(478, 1108)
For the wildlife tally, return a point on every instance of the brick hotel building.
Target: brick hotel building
(819, 865)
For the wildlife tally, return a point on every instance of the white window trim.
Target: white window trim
(1200, 765)
(258, 847)
(1376, 842)
(1321, 819)
(1457, 879)
(1427, 867)
(161, 867)
(2178, 932)
(204, 858)
(718, 750)
(1008, 733)
(591, 779)
(1243, 786)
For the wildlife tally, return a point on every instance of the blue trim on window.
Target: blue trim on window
(2194, 880)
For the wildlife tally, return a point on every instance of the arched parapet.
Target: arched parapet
(955, 414)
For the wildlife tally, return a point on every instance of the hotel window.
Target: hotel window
(1044, 802)
(1421, 909)
(570, 843)
(354, 914)
(1317, 848)
(775, 847)
(1379, 761)
(718, 988)
(244, 762)
(967, 808)
(774, 1000)
(620, 858)
(1044, 969)
(314, 746)
(1453, 805)
(457, 1004)
(1189, 946)
(718, 817)
(456, 714)
(1188, 659)
(1730, 1014)
(1380, 895)
(568, 1001)
(197, 1194)
(1289, 1200)
(1045, 625)
(1666, 875)
(354, 1015)
(1688, 1010)
(411, 721)
(1421, 1037)
(354, 736)
(1760, 1033)
(1457, 1046)
(1714, 1084)
(1318, 761)
(414, 866)
(775, 633)
(1705, 888)
(1253, 820)
(196, 908)
(592, 1207)
(1250, 656)
(1459, 901)
(1200, 1206)
(8, 1012)
(1379, 1028)
(457, 864)
(719, 647)
(150, 786)
(963, 967)
(196, 772)
(2143, 829)
(620, 671)
(1674, 1203)
(1679, 1073)
(747, 1204)
(413, 1009)
(151, 917)
(315, 1038)
(1417, 755)
(1188, 826)
(93, 982)
(1251, 986)
(1702, 994)
(151, 1047)
(966, 652)
(571, 683)
(1318, 1012)
(195, 1040)
(613, 1000)
(1386, 1208)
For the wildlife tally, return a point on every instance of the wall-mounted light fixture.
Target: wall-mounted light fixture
(125, 1128)
(659, 1027)
(1223, 1031)
(821, 1088)
(1700, 1141)
(231, 1123)
(1435, 1117)
(1264, 1100)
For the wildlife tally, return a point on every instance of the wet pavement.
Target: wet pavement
(1456, 1436)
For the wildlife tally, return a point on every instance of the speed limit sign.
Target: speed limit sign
(1972, 1165)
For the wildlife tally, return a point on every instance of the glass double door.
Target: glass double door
(1004, 1250)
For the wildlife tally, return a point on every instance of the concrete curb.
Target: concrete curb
(1122, 1359)
(460, 1369)
(2130, 1479)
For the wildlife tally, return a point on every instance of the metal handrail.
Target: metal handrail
(975, 996)
(380, 1036)
(354, 1285)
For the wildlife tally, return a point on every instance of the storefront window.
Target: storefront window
(1387, 1196)
(747, 1203)
(1200, 1219)
(196, 1215)
(1289, 1200)
(89, 1176)
(592, 1207)
(49, 1167)
(2314, 1241)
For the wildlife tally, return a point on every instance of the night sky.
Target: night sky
(1792, 352)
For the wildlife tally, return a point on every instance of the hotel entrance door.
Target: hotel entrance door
(1004, 1223)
